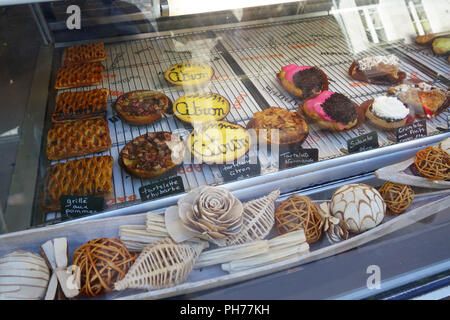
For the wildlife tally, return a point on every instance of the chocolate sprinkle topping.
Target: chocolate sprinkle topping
(310, 81)
(340, 108)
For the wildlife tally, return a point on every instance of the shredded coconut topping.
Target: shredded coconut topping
(370, 62)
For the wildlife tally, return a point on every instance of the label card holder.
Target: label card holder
(363, 143)
(162, 188)
(412, 131)
(73, 206)
(240, 170)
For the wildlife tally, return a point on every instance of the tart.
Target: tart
(292, 128)
(424, 100)
(83, 177)
(90, 52)
(80, 105)
(152, 154)
(80, 75)
(78, 138)
(142, 106)
(201, 107)
(387, 112)
(189, 73)
(331, 110)
(377, 70)
(302, 81)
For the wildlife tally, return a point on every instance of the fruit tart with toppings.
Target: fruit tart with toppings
(142, 106)
(302, 81)
(152, 154)
(423, 99)
(377, 70)
(292, 128)
(331, 110)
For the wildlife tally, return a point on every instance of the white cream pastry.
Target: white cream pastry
(389, 108)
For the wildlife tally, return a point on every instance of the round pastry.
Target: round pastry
(423, 99)
(218, 142)
(152, 154)
(360, 206)
(189, 73)
(377, 70)
(331, 111)
(292, 128)
(102, 262)
(387, 112)
(23, 276)
(398, 197)
(201, 107)
(299, 212)
(303, 82)
(141, 106)
(433, 163)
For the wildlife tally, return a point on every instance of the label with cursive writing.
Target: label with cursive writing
(294, 157)
(189, 73)
(363, 143)
(412, 131)
(218, 142)
(73, 206)
(240, 169)
(201, 107)
(162, 188)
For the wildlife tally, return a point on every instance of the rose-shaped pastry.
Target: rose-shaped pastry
(211, 213)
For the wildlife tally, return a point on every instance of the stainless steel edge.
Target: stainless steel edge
(298, 178)
(23, 181)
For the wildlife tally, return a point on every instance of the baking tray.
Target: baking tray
(245, 60)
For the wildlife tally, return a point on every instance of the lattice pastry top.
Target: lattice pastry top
(80, 75)
(77, 138)
(80, 105)
(84, 177)
(90, 52)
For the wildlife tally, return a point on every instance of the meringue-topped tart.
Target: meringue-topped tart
(387, 112)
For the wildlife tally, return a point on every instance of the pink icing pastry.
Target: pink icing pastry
(316, 105)
(292, 69)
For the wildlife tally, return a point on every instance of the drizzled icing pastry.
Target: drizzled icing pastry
(424, 100)
(331, 110)
(360, 206)
(387, 112)
(377, 70)
(303, 81)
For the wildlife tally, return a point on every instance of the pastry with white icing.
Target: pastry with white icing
(387, 112)
(360, 206)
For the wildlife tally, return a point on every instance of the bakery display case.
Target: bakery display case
(149, 103)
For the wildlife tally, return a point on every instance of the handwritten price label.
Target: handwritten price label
(79, 206)
(412, 131)
(163, 188)
(363, 143)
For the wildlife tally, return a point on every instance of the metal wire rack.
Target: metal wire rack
(245, 61)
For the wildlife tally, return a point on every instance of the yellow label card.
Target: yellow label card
(219, 142)
(189, 73)
(201, 107)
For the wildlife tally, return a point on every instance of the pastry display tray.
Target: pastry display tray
(429, 204)
(245, 59)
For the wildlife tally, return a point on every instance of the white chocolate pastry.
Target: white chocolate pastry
(359, 205)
